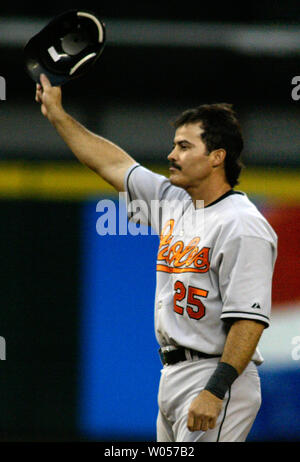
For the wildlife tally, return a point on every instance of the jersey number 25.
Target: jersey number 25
(195, 308)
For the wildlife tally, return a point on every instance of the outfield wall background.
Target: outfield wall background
(77, 313)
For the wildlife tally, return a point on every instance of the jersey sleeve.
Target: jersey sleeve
(245, 278)
(145, 191)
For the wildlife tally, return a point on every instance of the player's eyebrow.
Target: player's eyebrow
(182, 142)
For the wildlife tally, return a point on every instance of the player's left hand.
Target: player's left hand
(204, 411)
(49, 97)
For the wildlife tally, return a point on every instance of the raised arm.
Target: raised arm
(99, 154)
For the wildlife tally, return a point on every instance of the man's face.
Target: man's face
(189, 161)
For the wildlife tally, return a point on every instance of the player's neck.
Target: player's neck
(208, 193)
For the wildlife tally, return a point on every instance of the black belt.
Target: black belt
(181, 354)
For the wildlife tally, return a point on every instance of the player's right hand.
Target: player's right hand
(49, 97)
(204, 411)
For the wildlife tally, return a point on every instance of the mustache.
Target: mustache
(174, 165)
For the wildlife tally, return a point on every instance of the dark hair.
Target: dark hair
(221, 130)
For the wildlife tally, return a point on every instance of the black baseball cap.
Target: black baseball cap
(66, 48)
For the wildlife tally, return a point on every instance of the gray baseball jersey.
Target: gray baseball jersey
(208, 271)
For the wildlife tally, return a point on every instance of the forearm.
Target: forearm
(240, 345)
(241, 342)
(97, 153)
(94, 151)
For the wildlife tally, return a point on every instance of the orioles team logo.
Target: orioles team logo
(180, 258)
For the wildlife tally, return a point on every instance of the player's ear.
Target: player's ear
(218, 157)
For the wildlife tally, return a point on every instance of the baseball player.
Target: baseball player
(213, 294)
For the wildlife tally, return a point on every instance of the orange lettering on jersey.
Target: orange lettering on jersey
(176, 250)
(189, 252)
(184, 259)
(165, 240)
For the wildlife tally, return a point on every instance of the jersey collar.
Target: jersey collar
(228, 193)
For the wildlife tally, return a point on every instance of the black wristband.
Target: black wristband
(221, 379)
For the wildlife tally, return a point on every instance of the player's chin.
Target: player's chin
(175, 177)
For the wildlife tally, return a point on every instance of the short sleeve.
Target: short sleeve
(245, 278)
(145, 189)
